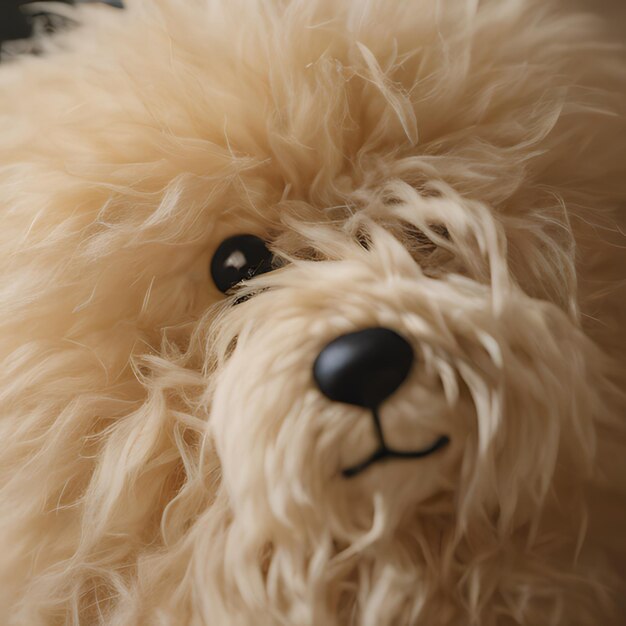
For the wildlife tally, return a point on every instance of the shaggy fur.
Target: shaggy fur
(453, 170)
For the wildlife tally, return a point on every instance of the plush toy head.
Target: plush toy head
(310, 315)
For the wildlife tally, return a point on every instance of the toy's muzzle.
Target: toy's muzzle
(364, 369)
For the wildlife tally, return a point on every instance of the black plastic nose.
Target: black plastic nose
(363, 368)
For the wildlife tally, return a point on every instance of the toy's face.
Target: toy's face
(386, 360)
(375, 312)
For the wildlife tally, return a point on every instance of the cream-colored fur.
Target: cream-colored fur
(454, 170)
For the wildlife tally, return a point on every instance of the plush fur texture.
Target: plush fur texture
(453, 170)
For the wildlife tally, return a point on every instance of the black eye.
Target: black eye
(239, 258)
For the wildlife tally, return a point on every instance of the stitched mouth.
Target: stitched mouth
(384, 452)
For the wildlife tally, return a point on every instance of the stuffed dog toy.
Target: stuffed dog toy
(313, 314)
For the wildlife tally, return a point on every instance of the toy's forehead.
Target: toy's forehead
(322, 90)
(172, 113)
